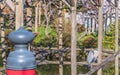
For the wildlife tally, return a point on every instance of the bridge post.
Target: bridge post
(21, 61)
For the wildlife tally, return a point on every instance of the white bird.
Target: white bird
(92, 57)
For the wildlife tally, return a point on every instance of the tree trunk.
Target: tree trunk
(91, 23)
(106, 20)
(100, 35)
(19, 13)
(60, 39)
(87, 24)
(95, 27)
(89, 28)
(116, 39)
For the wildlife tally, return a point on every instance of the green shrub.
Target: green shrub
(43, 40)
(88, 41)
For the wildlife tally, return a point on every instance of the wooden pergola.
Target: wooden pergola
(17, 7)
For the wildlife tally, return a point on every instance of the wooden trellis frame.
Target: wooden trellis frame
(18, 9)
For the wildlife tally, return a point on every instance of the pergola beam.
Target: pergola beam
(11, 5)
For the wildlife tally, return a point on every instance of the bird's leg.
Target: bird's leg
(91, 66)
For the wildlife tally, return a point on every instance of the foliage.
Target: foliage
(45, 41)
(66, 7)
(67, 33)
(109, 38)
(88, 41)
(47, 70)
(6, 19)
(1, 60)
(81, 55)
(66, 40)
(54, 70)
(66, 70)
(0, 43)
(83, 70)
(109, 68)
(80, 28)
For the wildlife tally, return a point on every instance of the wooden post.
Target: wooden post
(73, 42)
(100, 35)
(116, 38)
(2, 36)
(73, 37)
(60, 39)
(19, 13)
(36, 18)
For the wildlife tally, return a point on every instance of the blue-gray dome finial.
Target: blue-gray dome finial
(21, 36)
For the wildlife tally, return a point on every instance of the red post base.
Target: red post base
(20, 72)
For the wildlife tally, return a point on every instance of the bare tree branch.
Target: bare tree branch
(66, 3)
